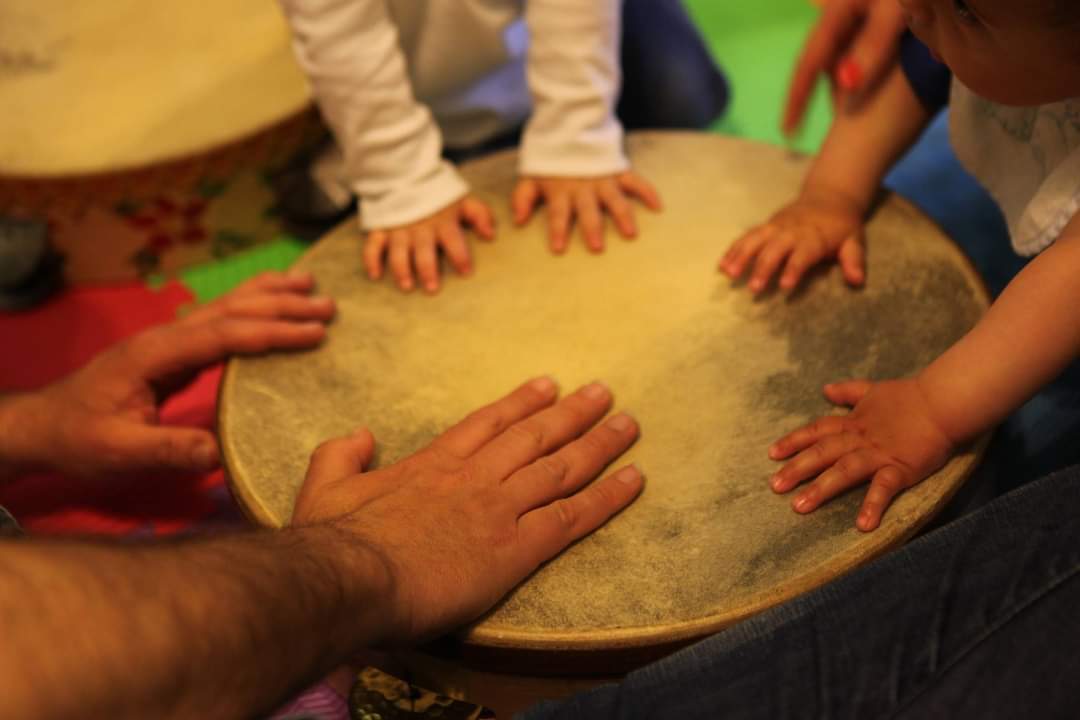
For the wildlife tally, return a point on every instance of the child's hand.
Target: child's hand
(817, 226)
(890, 437)
(418, 243)
(584, 198)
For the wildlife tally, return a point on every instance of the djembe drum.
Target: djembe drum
(712, 374)
(142, 133)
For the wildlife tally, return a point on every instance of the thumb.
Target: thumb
(135, 447)
(338, 458)
(847, 393)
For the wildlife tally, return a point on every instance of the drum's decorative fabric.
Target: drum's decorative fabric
(378, 695)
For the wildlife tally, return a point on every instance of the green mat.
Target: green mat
(755, 42)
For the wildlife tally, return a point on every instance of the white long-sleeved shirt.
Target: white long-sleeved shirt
(395, 79)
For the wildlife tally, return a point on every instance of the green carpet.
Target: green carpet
(755, 42)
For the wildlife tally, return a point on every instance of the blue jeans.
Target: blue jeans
(976, 619)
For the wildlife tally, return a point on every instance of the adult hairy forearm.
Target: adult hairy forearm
(220, 627)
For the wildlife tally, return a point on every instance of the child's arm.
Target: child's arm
(572, 154)
(826, 220)
(414, 202)
(900, 432)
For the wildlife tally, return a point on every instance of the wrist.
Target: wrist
(821, 192)
(945, 419)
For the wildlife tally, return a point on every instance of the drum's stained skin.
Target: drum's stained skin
(713, 375)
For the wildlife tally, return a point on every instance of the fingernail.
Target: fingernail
(594, 391)
(621, 422)
(802, 504)
(774, 481)
(629, 475)
(864, 519)
(205, 456)
(849, 75)
(543, 385)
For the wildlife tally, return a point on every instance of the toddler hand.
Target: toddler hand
(418, 244)
(584, 198)
(815, 227)
(890, 438)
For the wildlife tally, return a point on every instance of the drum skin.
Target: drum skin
(712, 374)
(143, 133)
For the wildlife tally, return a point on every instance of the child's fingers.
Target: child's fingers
(852, 258)
(803, 257)
(633, 184)
(888, 482)
(424, 253)
(814, 460)
(620, 209)
(523, 200)
(401, 258)
(558, 212)
(806, 436)
(374, 246)
(479, 216)
(744, 250)
(849, 470)
(769, 259)
(589, 219)
(848, 393)
(452, 240)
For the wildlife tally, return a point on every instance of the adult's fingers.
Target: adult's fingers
(589, 219)
(814, 460)
(548, 530)
(485, 424)
(375, 245)
(523, 200)
(620, 209)
(269, 305)
(129, 447)
(852, 258)
(888, 482)
(169, 350)
(848, 471)
(401, 247)
(633, 184)
(294, 281)
(558, 215)
(825, 43)
(806, 436)
(427, 262)
(542, 433)
(340, 457)
(874, 48)
(479, 216)
(567, 470)
(848, 393)
(452, 241)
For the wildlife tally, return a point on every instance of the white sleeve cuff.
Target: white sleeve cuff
(418, 199)
(600, 154)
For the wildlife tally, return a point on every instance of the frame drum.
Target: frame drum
(142, 132)
(713, 376)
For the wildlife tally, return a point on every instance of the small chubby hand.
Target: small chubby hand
(584, 199)
(816, 227)
(459, 523)
(412, 250)
(102, 421)
(890, 438)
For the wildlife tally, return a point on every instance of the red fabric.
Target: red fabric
(44, 344)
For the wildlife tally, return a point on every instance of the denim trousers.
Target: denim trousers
(977, 619)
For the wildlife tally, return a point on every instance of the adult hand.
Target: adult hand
(461, 522)
(418, 244)
(854, 43)
(585, 198)
(103, 419)
(890, 438)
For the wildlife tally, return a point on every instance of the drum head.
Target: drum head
(115, 84)
(713, 375)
